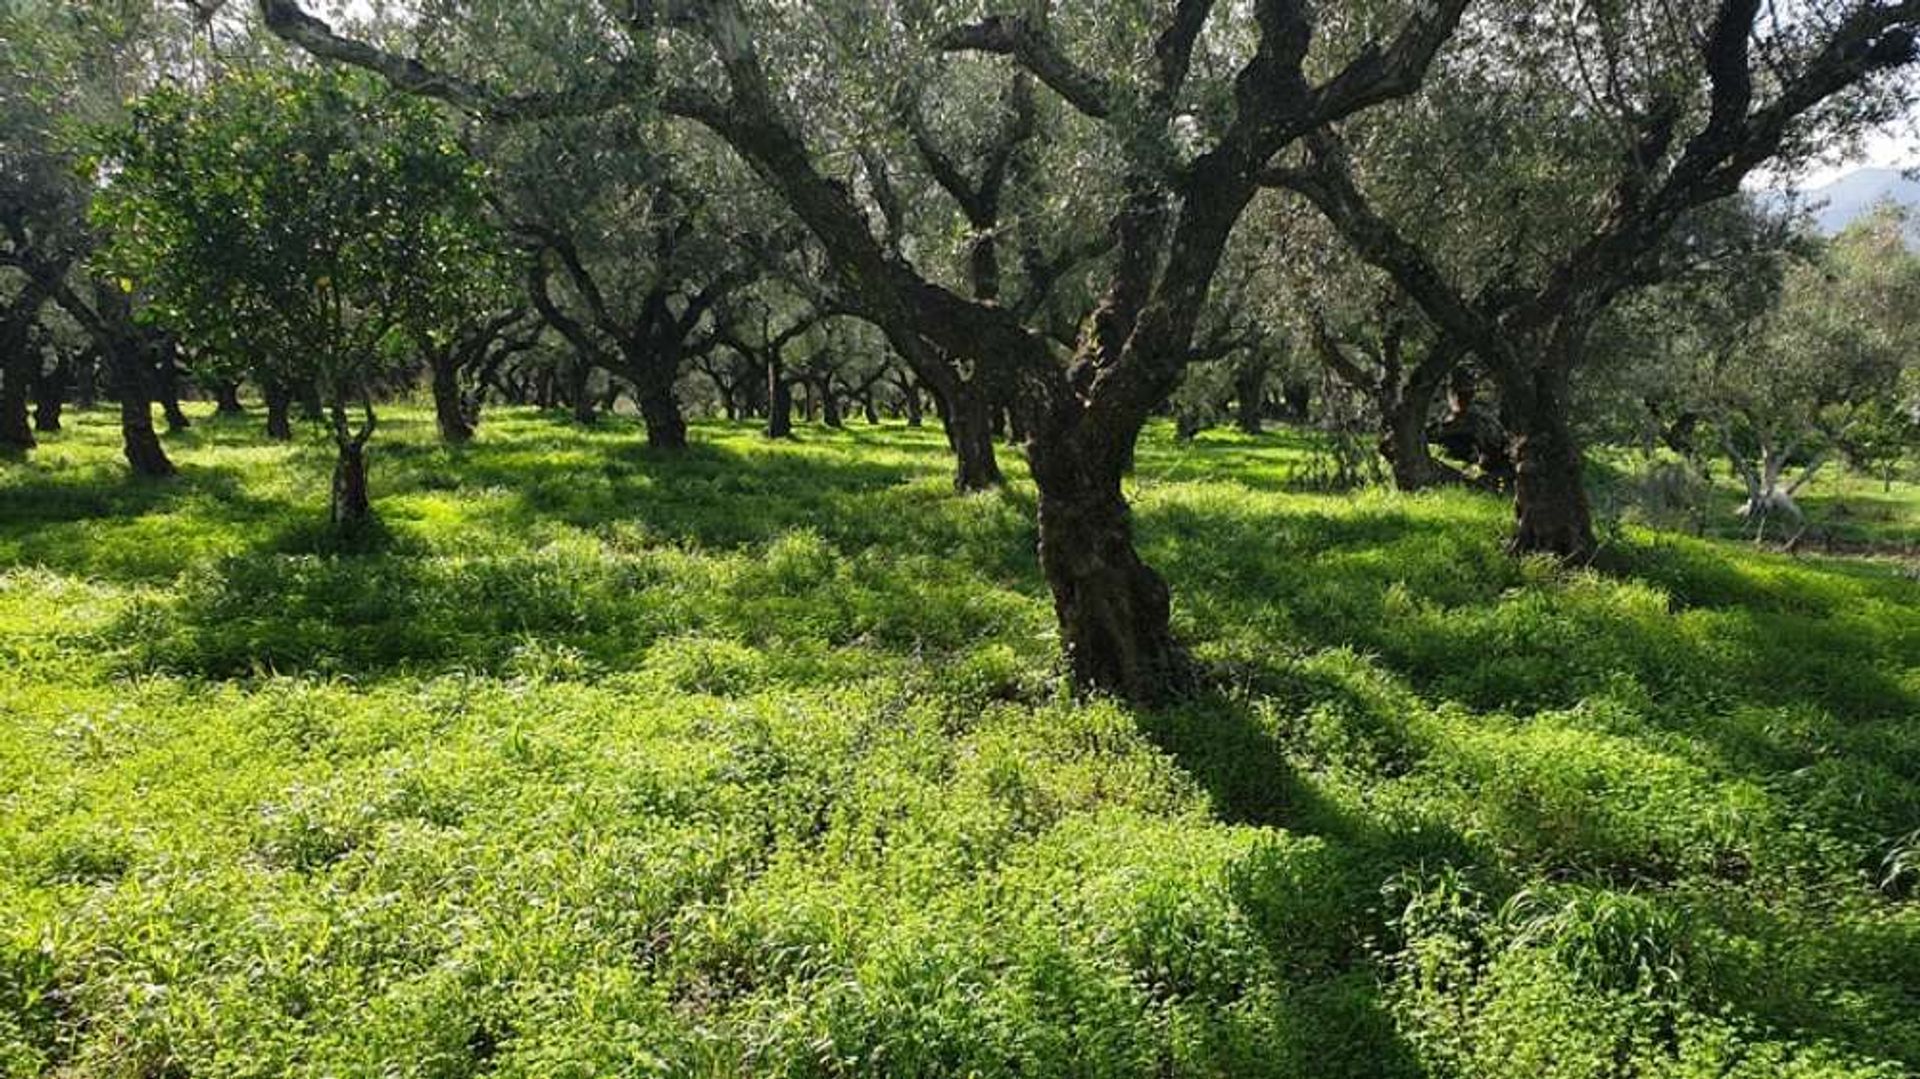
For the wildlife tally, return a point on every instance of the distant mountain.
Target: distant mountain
(1844, 200)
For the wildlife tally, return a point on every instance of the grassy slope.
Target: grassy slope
(753, 762)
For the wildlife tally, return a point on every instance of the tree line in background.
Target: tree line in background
(1469, 238)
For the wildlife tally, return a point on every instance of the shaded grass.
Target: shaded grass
(755, 760)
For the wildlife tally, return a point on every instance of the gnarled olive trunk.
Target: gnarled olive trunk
(226, 397)
(910, 400)
(449, 411)
(1403, 442)
(660, 409)
(969, 420)
(1114, 610)
(1551, 513)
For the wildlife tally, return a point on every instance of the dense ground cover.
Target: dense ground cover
(753, 760)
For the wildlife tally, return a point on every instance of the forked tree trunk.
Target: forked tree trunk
(226, 396)
(49, 393)
(1113, 609)
(449, 410)
(279, 410)
(1551, 513)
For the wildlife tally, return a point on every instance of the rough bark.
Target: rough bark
(1112, 607)
(1551, 513)
(449, 409)
(970, 433)
(660, 409)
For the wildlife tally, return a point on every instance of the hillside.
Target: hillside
(1843, 201)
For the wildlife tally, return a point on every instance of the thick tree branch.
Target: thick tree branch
(1015, 36)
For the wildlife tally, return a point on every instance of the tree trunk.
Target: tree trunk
(16, 430)
(910, 398)
(139, 442)
(166, 385)
(1250, 394)
(226, 396)
(579, 393)
(779, 402)
(666, 427)
(449, 411)
(829, 404)
(86, 379)
(1114, 610)
(1550, 497)
(970, 432)
(870, 410)
(279, 410)
(351, 508)
(49, 392)
(1296, 397)
(1404, 441)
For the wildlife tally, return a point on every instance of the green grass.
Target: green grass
(755, 761)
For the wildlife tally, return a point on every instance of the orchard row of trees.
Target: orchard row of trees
(1498, 230)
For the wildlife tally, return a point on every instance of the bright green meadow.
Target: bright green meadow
(756, 761)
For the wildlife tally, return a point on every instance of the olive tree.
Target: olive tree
(1563, 147)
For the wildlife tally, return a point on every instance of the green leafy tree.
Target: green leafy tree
(1822, 376)
(308, 224)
